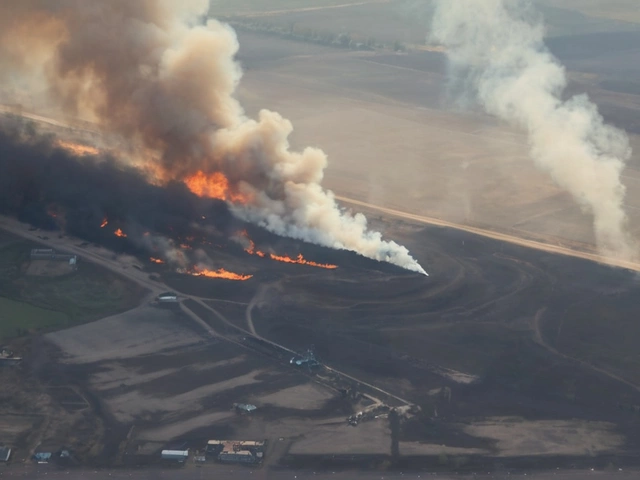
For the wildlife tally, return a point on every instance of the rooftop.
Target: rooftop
(5, 453)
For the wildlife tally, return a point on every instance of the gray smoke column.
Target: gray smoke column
(157, 74)
(497, 47)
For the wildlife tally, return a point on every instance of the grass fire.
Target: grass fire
(120, 233)
(251, 249)
(219, 273)
(214, 185)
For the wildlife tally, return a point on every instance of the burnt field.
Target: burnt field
(512, 358)
(504, 349)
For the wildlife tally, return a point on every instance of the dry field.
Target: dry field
(393, 139)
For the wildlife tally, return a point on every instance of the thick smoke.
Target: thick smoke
(37, 179)
(154, 73)
(497, 47)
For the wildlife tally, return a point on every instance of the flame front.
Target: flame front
(104, 223)
(77, 148)
(220, 273)
(120, 233)
(214, 185)
(251, 250)
(300, 260)
(156, 260)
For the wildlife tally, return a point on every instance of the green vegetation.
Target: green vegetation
(30, 303)
(18, 318)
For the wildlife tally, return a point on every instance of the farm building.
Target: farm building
(168, 297)
(5, 453)
(179, 456)
(236, 451)
(51, 254)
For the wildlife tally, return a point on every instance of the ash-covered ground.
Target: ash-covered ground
(500, 354)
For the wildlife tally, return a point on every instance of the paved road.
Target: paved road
(245, 473)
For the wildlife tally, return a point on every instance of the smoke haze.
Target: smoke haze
(153, 72)
(496, 51)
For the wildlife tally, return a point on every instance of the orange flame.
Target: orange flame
(77, 148)
(156, 260)
(220, 273)
(301, 260)
(104, 222)
(186, 246)
(213, 185)
(251, 250)
(120, 233)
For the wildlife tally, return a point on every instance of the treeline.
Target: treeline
(319, 37)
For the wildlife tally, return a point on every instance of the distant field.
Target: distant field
(32, 303)
(622, 10)
(234, 7)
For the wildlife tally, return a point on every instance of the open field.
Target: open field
(505, 359)
(458, 166)
(253, 7)
(33, 302)
(19, 317)
(472, 342)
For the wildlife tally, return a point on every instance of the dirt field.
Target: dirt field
(461, 167)
(49, 268)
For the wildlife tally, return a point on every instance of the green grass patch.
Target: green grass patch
(88, 293)
(19, 318)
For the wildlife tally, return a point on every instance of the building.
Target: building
(244, 407)
(5, 453)
(168, 297)
(43, 254)
(236, 451)
(42, 457)
(179, 456)
(51, 254)
(7, 358)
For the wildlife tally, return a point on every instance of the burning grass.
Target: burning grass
(77, 148)
(214, 185)
(251, 249)
(120, 233)
(219, 273)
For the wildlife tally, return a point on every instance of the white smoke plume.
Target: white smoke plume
(153, 72)
(498, 47)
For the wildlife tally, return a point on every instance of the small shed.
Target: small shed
(244, 407)
(42, 457)
(5, 453)
(179, 456)
(168, 297)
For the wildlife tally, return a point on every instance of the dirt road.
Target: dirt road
(129, 268)
(546, 247)
(241, 473)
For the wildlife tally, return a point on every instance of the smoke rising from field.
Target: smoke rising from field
(153, 72)
(496, 47)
